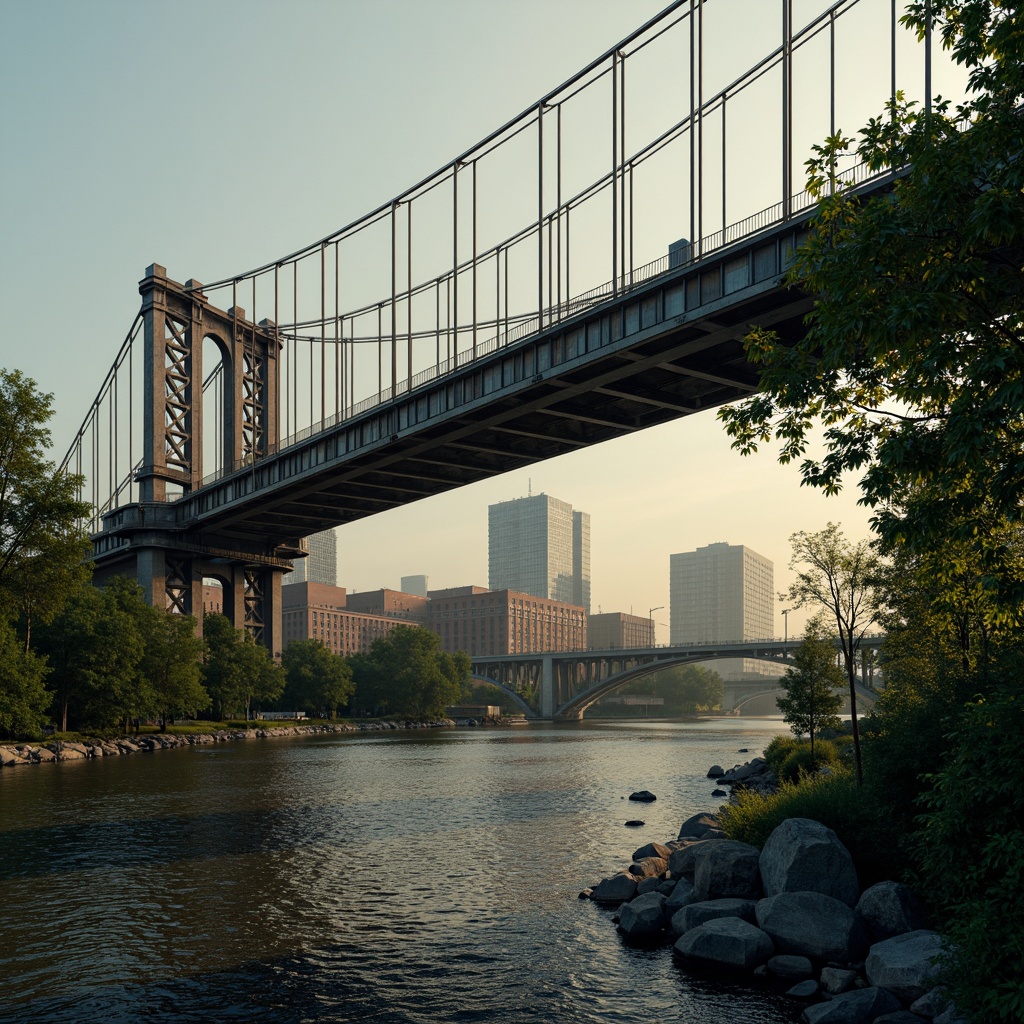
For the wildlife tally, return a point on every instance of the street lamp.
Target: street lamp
(650, 615)
(785, 631)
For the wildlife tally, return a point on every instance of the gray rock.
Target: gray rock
(715, 833)
(932, 1003)
(903, 964)
(890, 908)
(667, 887)
(802, 855)
(719, 792)
(835, 980)
(788, 966)
(726, 942)
(617, 889)
(949, 1016)
(643, 917)
(862, 1006)
(697, 914)
(715, 771)
(652, 850)
(899, 1017)
(745, 771)
(812, 924)
(682, 896)
(649, 884)
(803, 989)
(694, 827)
(682, 862)
(727, 868)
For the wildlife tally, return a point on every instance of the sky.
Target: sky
(213, 137)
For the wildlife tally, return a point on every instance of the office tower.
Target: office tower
(417, 585)
(321, 565)
(539, 546)
(719, 594)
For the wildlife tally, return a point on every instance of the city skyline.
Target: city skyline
(95, 187)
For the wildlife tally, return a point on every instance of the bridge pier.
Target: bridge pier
(547, 687)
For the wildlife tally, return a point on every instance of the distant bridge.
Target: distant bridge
(564, 684)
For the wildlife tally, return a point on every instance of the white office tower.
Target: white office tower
(540, 546)
(723, 593)
(321, 566)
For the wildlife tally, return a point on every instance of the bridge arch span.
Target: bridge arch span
(506, 691)
(578, 704)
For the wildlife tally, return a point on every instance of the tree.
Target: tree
(913, 358)
(685, 689)
(95, 648)
(170, 664)
(23, 695)
(318, 681)
(406, 673)
(838, 576)
(42, 549)
(237, 670)
(811, 683)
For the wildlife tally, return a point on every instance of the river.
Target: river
(427, 876)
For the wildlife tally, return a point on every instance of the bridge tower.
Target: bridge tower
(150, 539)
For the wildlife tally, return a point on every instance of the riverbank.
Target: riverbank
(14, 755)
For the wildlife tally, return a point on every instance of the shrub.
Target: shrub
(975, 807)
(778, 750)
(835, 800)
(798, 762)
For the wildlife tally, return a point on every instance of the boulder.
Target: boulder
(932, 1003)
(745, 771)
(719, 792)
(888, 909)
(697, 914)
(803, 989)
(71, 754)
(649, 867)
(835, 980)
(787, 966)
(9, 758)
(725, 942)
(652, 850)
(949, 1016)
(899, 1017)
(617, 889)
(694, 827)
(682, 862)
(812, 924)
(726, 868)
(681, 896)
(644, 796)
(649, 884)
(643, 918)
(802, 855)
(903, 964)
(634, 823)
(862, 1006)
(716, 771)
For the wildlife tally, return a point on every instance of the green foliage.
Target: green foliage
(805, 760)
(811, 684)
(406, 673)
(41, 548)
(975, 806)
(170, 664)
(913, 358)
(318, 681)
(237, 671)
(23, 695)
(836, 801)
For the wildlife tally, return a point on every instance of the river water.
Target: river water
(427, 876)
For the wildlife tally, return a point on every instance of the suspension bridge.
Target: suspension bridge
(588, 269)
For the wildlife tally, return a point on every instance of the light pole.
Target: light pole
(785, 632)
(650, 615)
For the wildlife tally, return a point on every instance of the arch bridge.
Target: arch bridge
(562, 685)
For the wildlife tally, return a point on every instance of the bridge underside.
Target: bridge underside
(669, 348)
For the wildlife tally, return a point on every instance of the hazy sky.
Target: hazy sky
(212, 137)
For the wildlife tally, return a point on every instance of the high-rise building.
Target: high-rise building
(723, 593)
(418, 585)
(539, 546)
(321, 565)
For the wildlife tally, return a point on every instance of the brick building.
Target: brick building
(616, 630)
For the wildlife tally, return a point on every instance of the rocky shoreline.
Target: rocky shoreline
(791, 916)
(60, 750)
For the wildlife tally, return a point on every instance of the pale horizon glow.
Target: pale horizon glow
(214, 138)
